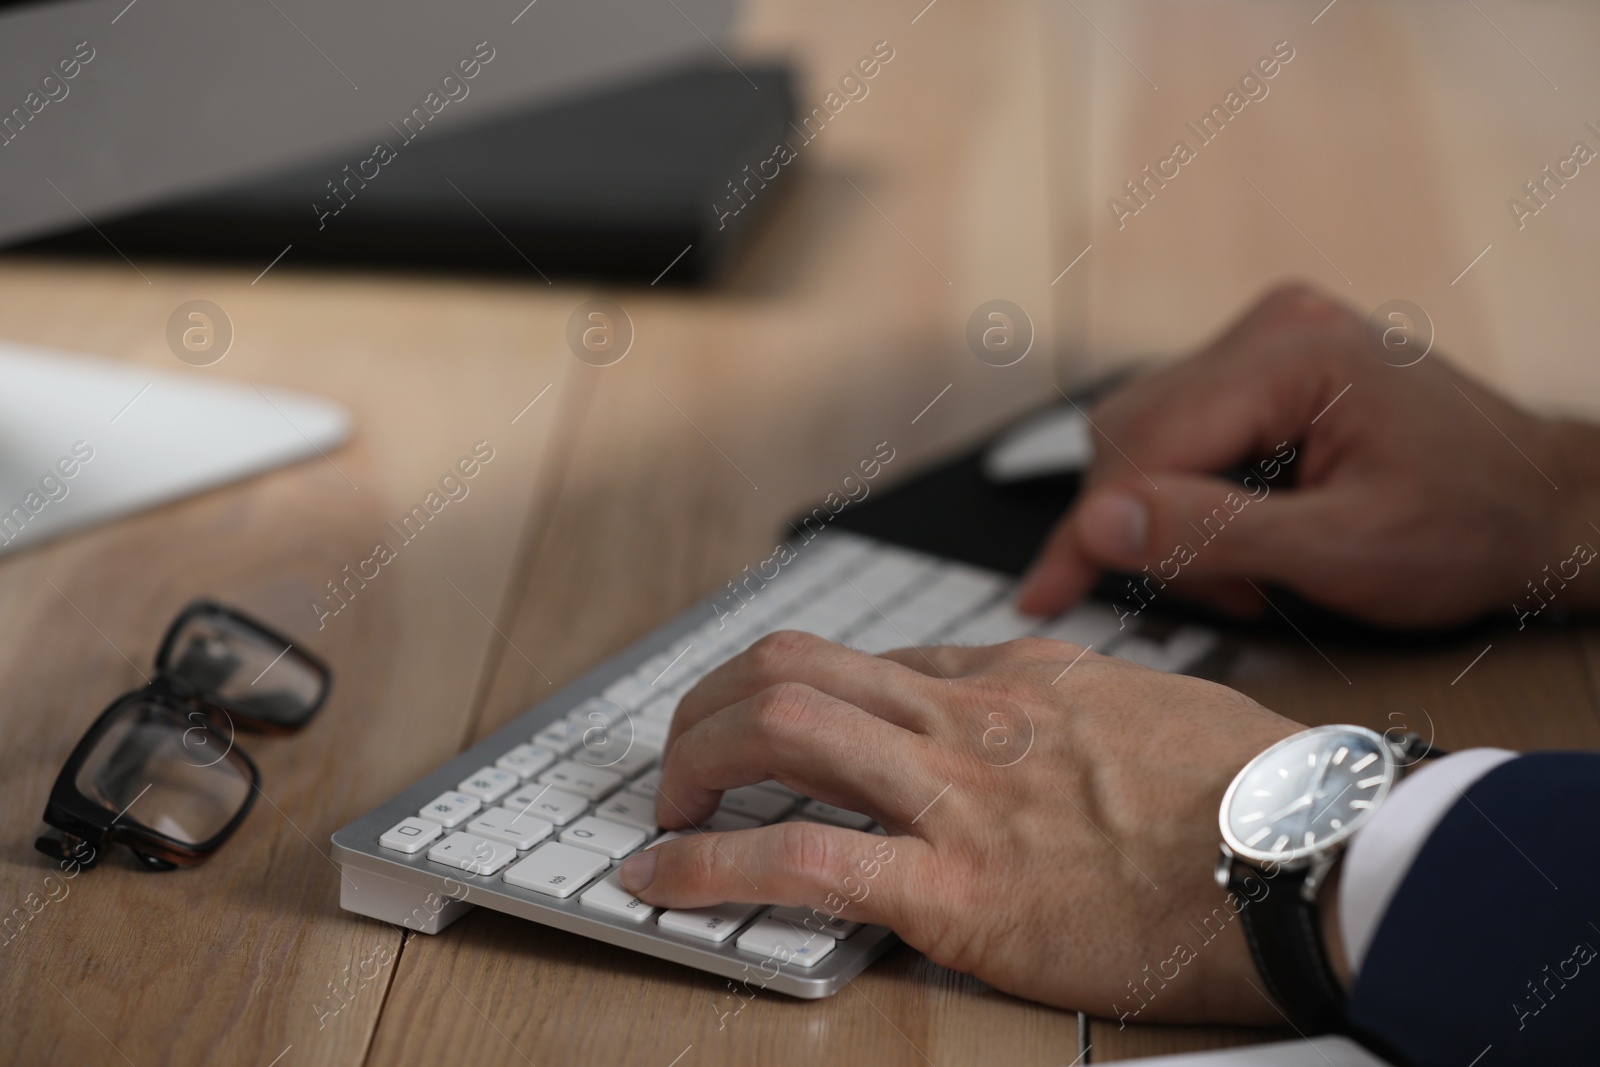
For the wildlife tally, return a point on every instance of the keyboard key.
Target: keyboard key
(590, 782)
(525, 761)
(595, 713)
(815, 920)
(930, 614)
(954, 592)
(791, 947)
(725, 821)
(630, 693)
(410, 835)
(708, 652)
(646, 784)
(618, 755)
(890, 574)
(962, 588)
(630, 809)
(832, 616)
(557, 870)
(546, 802)
(762, 805)
(822, 561)
(1188, 645)
(559, 737)
(820, 812)
(992, 626)
(708, 924)
(674, 694)
(672, 668)
(1087, 624)
(607, 895)
(879, 637)
(471, 853)
(489, 784)
(652, 732)
(521, 832)
(450, 809)
(650, 670)
(606, 730)
(780, 789)
(661, 709)
(607, 838)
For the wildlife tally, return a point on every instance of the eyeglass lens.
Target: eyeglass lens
(167, 771)
(248, 670)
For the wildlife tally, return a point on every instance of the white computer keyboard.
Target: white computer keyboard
(535, 819)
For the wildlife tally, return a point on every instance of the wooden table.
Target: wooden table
(978, 167)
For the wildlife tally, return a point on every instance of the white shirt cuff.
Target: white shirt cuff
(1383, 850)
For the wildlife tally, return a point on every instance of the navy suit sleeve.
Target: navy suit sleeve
(1491, 946)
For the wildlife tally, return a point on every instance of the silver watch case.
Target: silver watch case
(1318, 859)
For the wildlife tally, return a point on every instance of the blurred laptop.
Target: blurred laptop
(583, 140)
(137, 131)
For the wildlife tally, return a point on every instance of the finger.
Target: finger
(1236, 400)
(1198, 528)
(1197, 539)
(878, 686)
(1061, 575)
(1252, 390)
(805, 739)
(857, 876)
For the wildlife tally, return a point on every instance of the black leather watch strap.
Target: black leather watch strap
(1284, 930)
(1285, 937)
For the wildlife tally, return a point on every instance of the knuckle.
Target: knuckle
(776, 652)
(1035, 648)
(698, 867)
(785, 709)
(1296, 306)
(1296, 297)
(806, 847)
(1287, 294)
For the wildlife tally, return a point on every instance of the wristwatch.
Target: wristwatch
(1286, 820)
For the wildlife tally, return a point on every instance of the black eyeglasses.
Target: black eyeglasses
(158, 770)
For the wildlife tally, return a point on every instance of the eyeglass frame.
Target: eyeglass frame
(75, 818)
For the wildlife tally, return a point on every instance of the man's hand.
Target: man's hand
(1052, 831)
(1420, 498)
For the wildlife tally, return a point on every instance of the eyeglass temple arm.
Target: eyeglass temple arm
(67, 847)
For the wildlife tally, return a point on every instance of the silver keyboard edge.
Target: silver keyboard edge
(826, 978)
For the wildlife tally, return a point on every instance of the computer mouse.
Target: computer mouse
(1054, 441)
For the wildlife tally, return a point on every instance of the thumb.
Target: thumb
(1194, 526)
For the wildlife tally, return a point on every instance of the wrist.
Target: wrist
(1332, 928)
(1575, 446)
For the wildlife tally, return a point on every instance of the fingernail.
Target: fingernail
(1116, 524)
(638, 871)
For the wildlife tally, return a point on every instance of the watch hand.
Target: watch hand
(1303, 802)
(1325, 808)
(1316, 785)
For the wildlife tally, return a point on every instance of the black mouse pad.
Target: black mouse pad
(952, 510)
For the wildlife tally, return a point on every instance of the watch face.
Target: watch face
(1307, 793)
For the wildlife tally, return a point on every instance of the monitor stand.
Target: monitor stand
(85, 440)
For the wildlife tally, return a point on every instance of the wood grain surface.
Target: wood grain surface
(978, 167)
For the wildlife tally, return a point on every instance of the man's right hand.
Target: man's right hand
(1419, 497)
